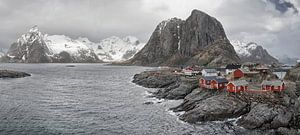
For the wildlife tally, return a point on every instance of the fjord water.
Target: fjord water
(85, 99)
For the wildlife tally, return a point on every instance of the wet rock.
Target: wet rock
(218, 107)
(155, 79)
(192, 99)
(286, 131)
(178, 90)
(266, 116)
(148, 103)
(12, 74)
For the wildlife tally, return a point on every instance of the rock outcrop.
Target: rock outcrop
(293, 74)
(12, 74)
(266, 111)
(175, 42)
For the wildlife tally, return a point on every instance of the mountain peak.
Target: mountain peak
(252, 52)
(34, 29)
(196, 12)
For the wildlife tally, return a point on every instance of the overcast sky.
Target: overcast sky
(274, 24)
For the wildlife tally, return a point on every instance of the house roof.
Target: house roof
(217, 78)
(280, 70)
(221, 80)
(210, 70)
(239, 82)
(272, 83)
(233, 66)
(209, 78)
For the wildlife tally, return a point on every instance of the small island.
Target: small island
(257, 107)
(12, 74)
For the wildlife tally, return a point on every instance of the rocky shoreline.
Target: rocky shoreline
(275, 113)
(12, 74)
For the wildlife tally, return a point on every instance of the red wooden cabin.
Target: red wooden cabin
(237, 86)
(219, 83)
(213, 82)
(238, 73)
(273, 85)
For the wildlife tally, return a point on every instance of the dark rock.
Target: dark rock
(12, 74)
(177, 90)
(286, 131)
(293, 74)
(267, 116)
(154, 79)
(148, 103)
(174, 42)
(192, 99)
(218, 107)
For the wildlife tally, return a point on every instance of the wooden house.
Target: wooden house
(231, 67)
(237, 86)
(209, 72)
(238, 73)
(273, 85)
(219, 83)
(213, 82)
(190, 71)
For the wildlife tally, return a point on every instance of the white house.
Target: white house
(209, 72)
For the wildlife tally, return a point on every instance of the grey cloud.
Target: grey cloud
(98, 19)
(283, 6)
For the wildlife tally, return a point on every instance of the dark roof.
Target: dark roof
(209, 77)
(210, 70)
(221, 69)
(217, 78)
(280, 70)
(221, 80)
(233, 66)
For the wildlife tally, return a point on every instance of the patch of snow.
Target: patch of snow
(114, 48)
(242, 48)
(60, 43)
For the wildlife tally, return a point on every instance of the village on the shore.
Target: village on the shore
(247, 77)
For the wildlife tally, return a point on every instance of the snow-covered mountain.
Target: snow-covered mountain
(252, 52)
(37, 47)
(117, 49)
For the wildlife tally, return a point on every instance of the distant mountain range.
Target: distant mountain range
(199, 40)
(252, 52)
(36, 47)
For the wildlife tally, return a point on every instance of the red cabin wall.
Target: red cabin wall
(238, 73)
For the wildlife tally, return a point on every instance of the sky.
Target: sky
(274, 24)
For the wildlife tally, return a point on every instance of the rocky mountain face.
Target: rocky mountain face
(251, 52)
(181, 42)
(35, 47)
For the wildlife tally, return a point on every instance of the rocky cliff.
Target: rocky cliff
(181, 42)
